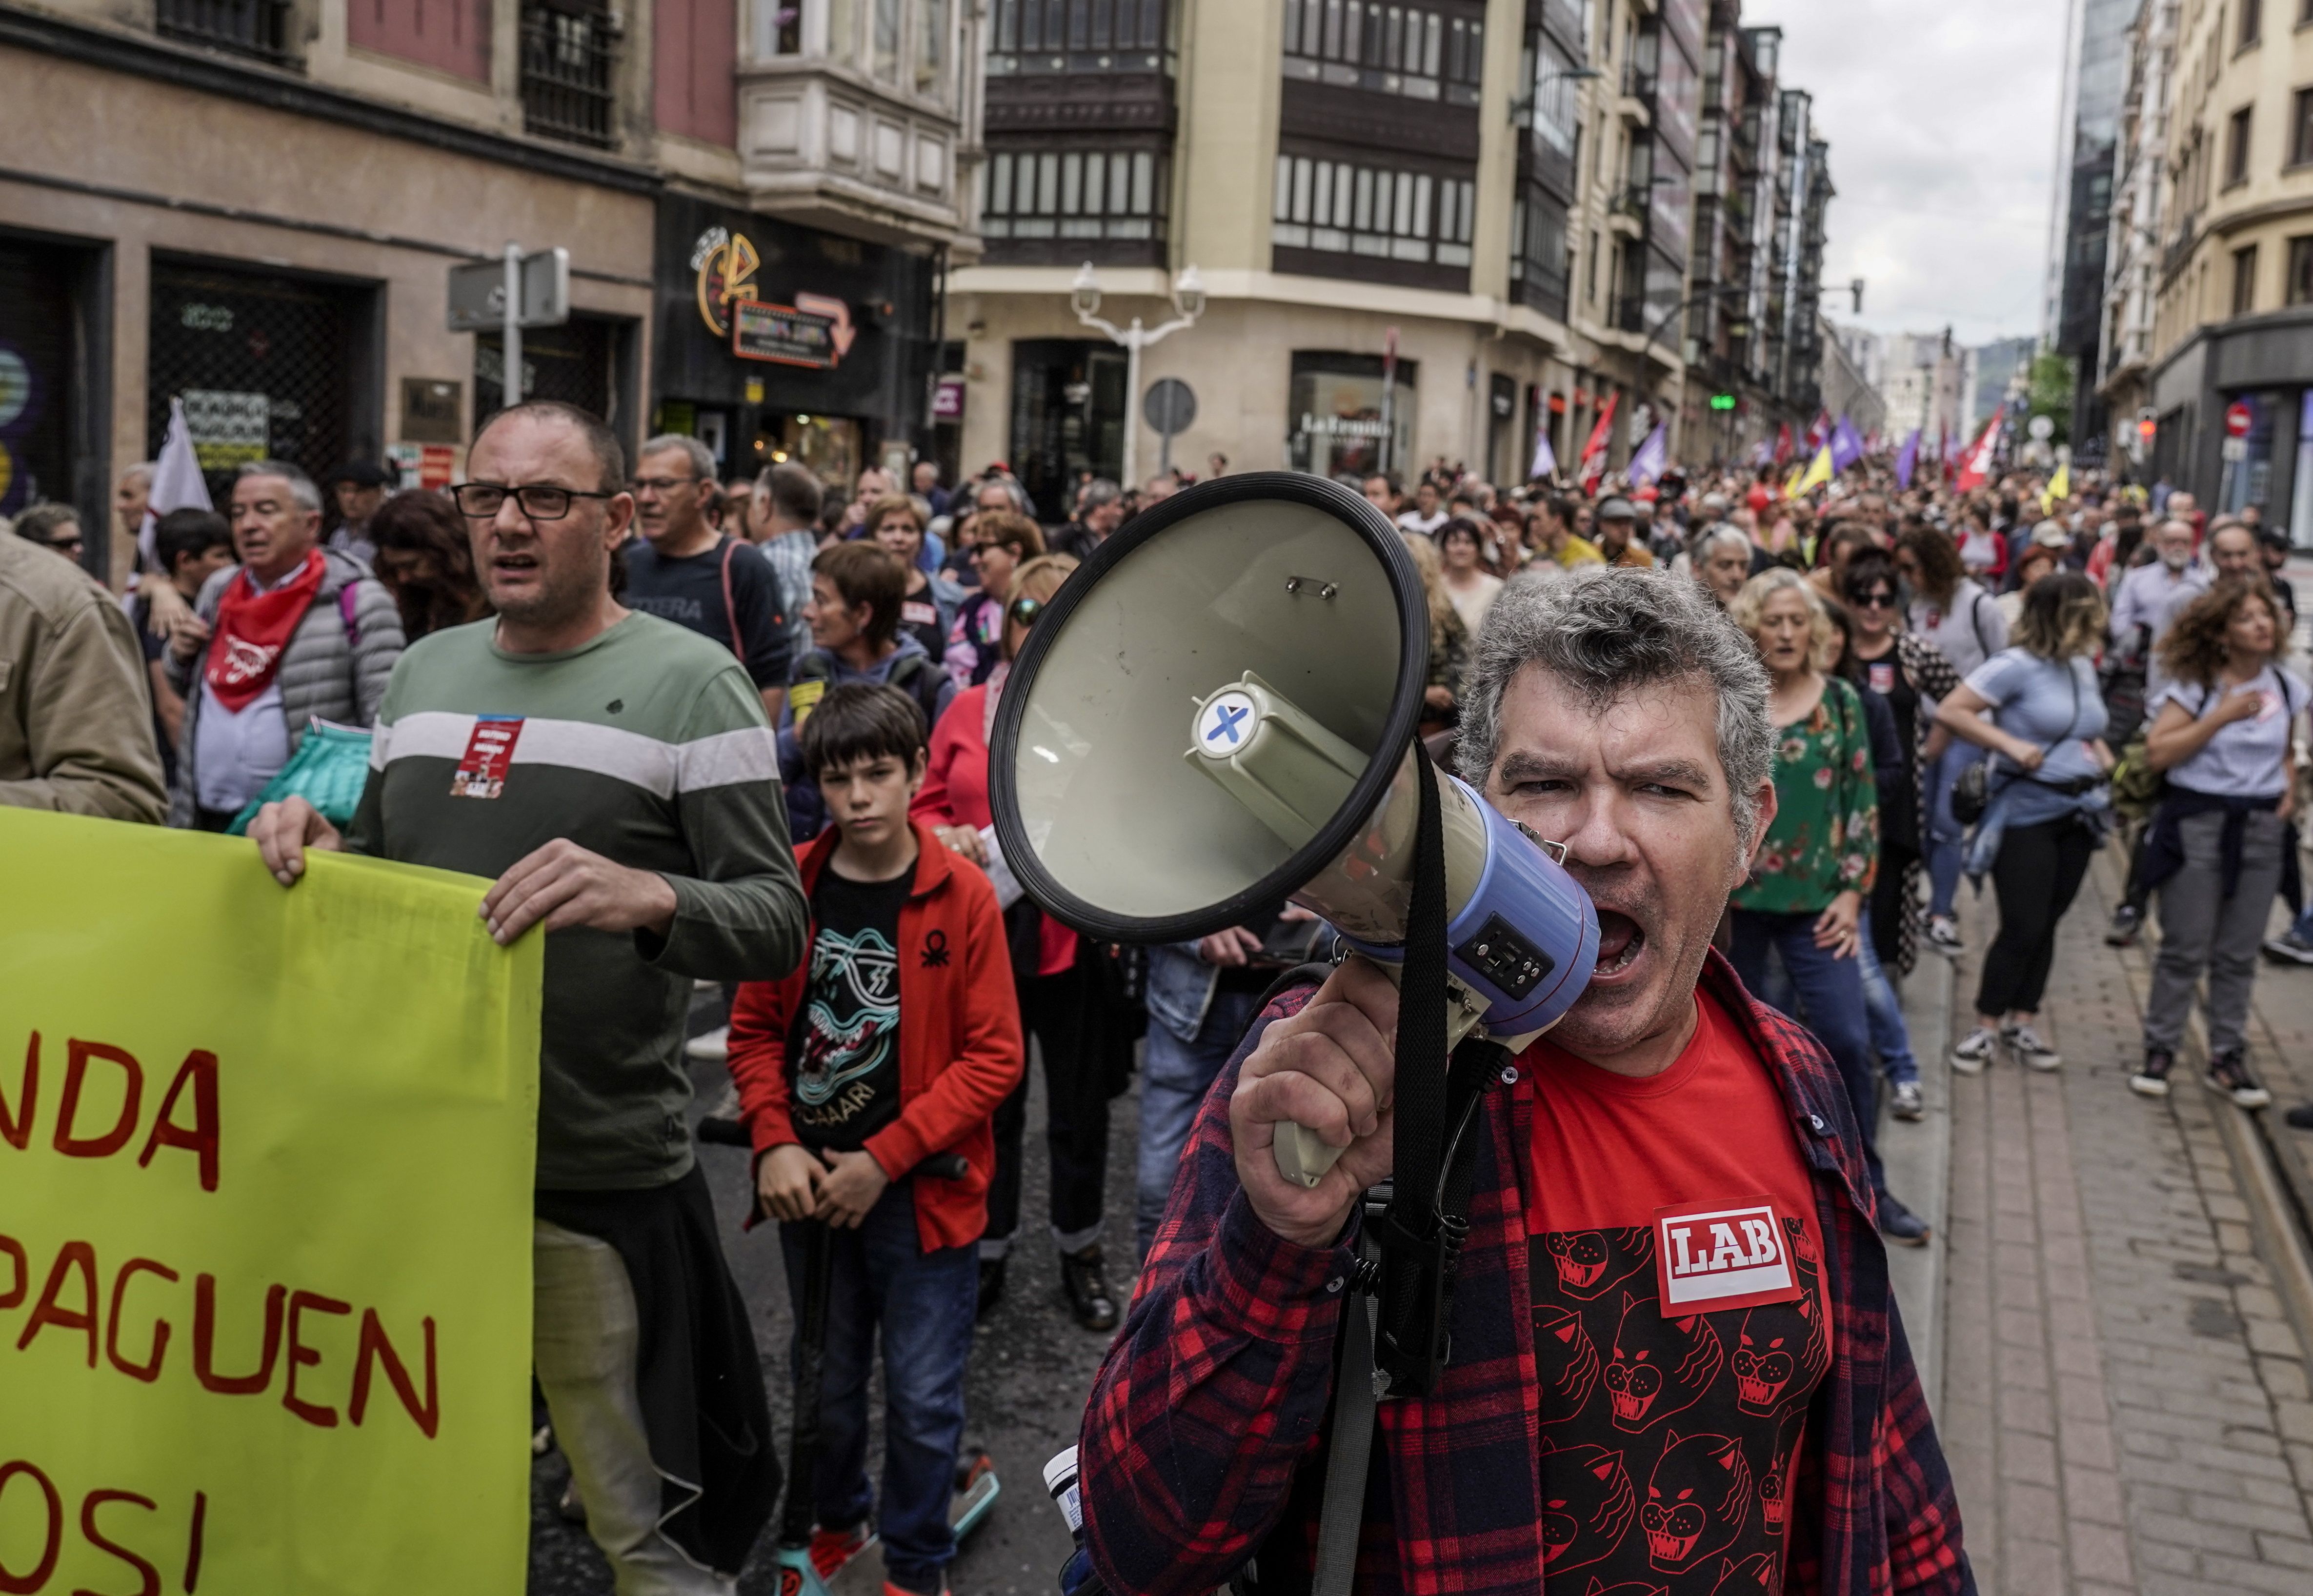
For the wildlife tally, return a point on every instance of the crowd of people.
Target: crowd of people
(751, 720)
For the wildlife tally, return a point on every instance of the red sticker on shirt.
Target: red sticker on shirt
(1883, 678)
(915, 612)
(1725, 1255)
(482, 772)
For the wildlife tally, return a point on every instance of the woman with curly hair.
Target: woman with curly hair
(2036, 708)
(1449, 640)
(2222, 839)
(1815, 864)
(426, 562)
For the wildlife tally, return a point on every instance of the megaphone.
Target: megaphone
(1217, 712)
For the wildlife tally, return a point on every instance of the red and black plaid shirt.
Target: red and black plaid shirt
(1202, 1445)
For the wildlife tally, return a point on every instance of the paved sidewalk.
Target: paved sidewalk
(2124, 1398)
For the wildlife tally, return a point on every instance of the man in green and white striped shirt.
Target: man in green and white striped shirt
(615, 776)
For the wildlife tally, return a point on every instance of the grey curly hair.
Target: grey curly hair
(1605, 630)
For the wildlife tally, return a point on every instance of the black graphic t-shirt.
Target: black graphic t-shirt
(1681, 1321)
(844, 1066)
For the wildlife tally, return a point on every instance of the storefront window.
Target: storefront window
(828, 445)
(1068, 404)
(2300, 510)
(36, 325)
(1339, 428)
(2249, 480)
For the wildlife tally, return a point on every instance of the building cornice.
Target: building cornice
(252, 83)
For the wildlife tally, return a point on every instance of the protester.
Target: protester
(1100, 511)
(681, 569)
(639, 1329)
(2273, 551)
(1056, 994)
(975, 639)
(870, 1058)
(358, 488)
(924, 479)
(1449, 639)
(1815, 867)
(1659, 1094)
(2047, 803)
(75, 723)
(1618, 521)
(423, 559)
(53, 527)
(292, 634)
(1382, 491)
(2037, 559)
(1722, 561)
(192, 545)
(927, 609)
(1949, 609)
(1838, 546)
(737, 498)
(783, 514)
(1461, 547)
(1428, 512)
(2223, 835)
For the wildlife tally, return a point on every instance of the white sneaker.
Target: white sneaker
(1943, 936)
(2029, 1049)
(713, 1047)
(1978, 1048)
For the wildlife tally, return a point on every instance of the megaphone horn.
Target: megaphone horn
(1216, 714)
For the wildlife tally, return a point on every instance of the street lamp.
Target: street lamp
(1188, 303)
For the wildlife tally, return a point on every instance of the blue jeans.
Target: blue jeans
(2303, 926)
(1944, 830)
(1175, 1076)
(1832, 991)
(923, 1302)
(1891, 1038)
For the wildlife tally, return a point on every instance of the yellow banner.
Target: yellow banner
(265, 1214)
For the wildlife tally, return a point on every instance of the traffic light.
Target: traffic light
(1723, 401)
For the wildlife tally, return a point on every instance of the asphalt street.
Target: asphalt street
(1031, 1368)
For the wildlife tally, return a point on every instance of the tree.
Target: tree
(2051, 393)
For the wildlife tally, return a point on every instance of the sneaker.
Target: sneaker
(2127, 920)
(2025, 1046)
(1899, 1224)
(1906, 1102)
(713, 1047)
(830, 1549)
(1943, 936)
(2152, 1079)
(1086, 1285)
(893, 1588)
(2289, 948)
(2299, 1117)
(2228, 1076)
(991, 1287)
(1976, 1049)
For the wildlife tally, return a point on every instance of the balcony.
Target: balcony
(1047, 35)
(258, 27)
(569, 62)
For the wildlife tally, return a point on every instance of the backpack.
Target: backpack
(914, 674)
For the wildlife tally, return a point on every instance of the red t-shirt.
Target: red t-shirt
(1681, 1319)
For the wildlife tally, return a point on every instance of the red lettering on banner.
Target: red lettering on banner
(77, 1054)
(373, 1343)
(149, 1576)
(14, 1250)
(149, 1370)
(205, 1341)
(51, 1311)
(193, 1541)
(22, 1584)
(16, 1130)
(199, 1138)
(303, 1356)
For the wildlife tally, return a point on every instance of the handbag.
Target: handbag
(328, 771)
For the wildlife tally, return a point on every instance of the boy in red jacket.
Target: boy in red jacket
(896, 1043)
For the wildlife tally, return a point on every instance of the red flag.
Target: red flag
(1818, 432)
(1976, 465)
(1784, 445)
(1593, 452)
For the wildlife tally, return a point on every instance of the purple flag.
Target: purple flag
(1909, 459)
(1653, 457)
(1846, 448)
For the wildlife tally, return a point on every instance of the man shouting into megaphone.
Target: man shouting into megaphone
(1675, 1362)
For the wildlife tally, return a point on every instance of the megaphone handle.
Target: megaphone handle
(1302, 1155)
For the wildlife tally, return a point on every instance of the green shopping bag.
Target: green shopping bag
(328, 771)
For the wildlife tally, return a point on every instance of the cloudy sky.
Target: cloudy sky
(1942, 123)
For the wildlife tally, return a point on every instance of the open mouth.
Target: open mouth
(1620, 943)
(516, 566)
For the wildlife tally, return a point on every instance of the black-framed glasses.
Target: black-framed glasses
(540, 501)
(1024, 610)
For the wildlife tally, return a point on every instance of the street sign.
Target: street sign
(2238, 419)
(2235, 448)
(478, 293)
(2042, 429)
(783, 334)
(1170, 406)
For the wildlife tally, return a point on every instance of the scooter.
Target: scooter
(976, 1486)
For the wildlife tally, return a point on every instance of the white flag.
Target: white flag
(177, 485)
(1545, 458)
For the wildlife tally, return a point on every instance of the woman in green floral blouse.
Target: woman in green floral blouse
(1816, 864)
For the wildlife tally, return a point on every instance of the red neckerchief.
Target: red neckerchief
(252, 628)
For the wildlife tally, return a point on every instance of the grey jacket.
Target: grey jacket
(329, 672)
(75, 709)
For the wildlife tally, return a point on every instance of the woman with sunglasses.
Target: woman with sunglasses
(1912, 676)
(975, 638)
(1053, 977)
